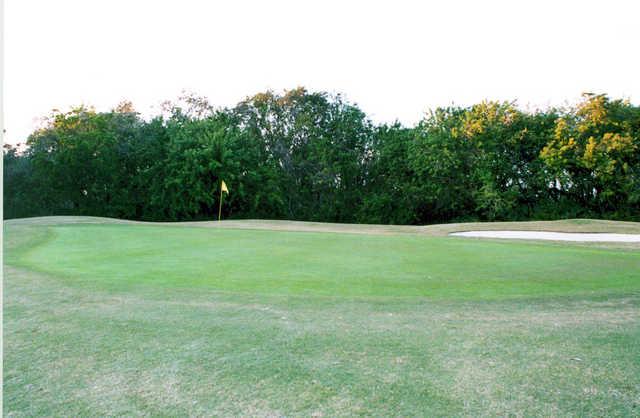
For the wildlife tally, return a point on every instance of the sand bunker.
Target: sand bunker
(552, 236)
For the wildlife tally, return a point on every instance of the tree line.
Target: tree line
(314, 156)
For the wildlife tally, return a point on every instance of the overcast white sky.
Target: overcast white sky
(395, 59)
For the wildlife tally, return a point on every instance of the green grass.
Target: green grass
(122, 257)
(135, 319)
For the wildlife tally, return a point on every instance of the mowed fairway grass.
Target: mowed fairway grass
(108, 318)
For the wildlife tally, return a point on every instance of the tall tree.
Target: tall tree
(593, 155)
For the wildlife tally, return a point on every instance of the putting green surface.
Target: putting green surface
(301, 263)
(110, 318)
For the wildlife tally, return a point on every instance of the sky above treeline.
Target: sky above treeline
(395, 59)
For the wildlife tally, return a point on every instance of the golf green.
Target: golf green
(119, 257)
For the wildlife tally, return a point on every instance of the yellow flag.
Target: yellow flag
(223, 187)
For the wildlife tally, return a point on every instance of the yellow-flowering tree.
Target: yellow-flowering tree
(594, 154)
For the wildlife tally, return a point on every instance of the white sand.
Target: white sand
(552, 236)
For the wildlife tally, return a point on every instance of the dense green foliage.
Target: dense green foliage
(313, 156)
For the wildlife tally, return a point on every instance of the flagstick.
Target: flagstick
(220, 207)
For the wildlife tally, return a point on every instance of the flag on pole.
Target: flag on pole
(223, 188)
